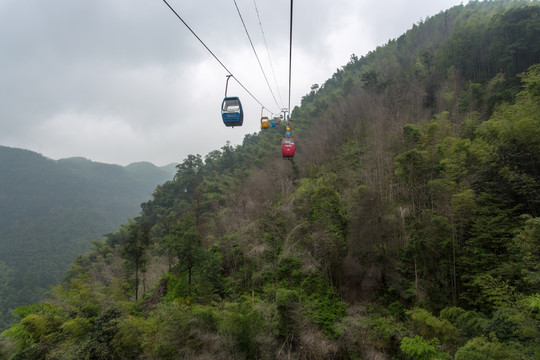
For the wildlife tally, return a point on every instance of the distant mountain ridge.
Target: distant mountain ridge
(50, 210)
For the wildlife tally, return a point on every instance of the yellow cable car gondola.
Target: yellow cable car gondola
(265, 123)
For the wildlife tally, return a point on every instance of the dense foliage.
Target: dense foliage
(406, 227)
(51, 210)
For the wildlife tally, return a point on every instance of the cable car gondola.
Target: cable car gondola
(288, 147)
(265, 123)
(232, 112)
(231, 109)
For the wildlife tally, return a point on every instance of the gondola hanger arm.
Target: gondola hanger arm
(227, 83)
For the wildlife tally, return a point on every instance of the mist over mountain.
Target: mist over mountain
(51, 210)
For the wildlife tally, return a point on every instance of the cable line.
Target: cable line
(290, 56)
(268, 53)
(215, 57)
(255, 52)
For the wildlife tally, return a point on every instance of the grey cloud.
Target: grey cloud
(72, 72)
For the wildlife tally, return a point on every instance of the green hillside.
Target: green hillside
(406, 226)
(51, 210)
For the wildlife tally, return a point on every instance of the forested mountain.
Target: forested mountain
(51, 210)
(406, 226)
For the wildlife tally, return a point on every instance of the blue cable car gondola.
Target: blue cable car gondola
(231, 111)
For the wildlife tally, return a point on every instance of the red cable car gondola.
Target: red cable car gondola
(288, 147)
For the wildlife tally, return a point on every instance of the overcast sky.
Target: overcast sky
(120, 81)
